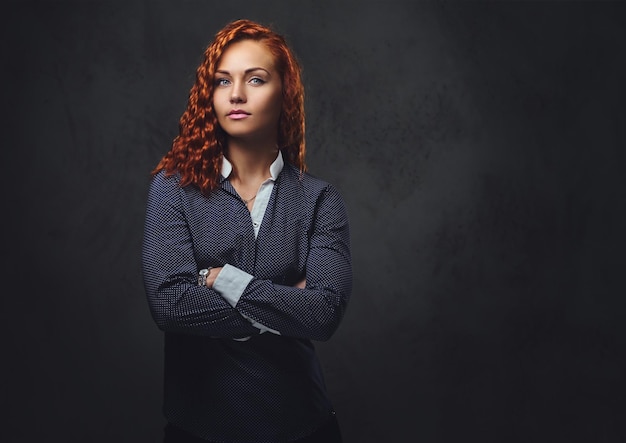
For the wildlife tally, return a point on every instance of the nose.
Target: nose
(237, 93)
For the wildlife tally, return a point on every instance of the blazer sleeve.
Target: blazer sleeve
(316, 311)
(176, 302)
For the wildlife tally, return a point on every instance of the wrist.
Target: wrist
(203, 274)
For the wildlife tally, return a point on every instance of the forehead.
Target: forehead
(246, 54)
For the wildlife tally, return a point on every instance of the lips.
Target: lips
(237, 114)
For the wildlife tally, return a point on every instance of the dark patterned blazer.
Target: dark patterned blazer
(269, 388)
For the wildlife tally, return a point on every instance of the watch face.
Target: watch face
(204, 271)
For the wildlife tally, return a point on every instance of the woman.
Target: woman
(246, 256)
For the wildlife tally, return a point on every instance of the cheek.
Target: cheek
(215, 102)
(277, 103)
(219, 109)
(221, 97)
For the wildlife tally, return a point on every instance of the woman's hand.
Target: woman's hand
(211, 276)
(301, 284)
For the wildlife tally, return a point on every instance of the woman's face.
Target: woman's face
(248, 93)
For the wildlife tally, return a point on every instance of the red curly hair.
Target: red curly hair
(196, 152)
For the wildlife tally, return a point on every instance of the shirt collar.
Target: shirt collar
(275, 167)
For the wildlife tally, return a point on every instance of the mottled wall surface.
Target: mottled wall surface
(480, 148)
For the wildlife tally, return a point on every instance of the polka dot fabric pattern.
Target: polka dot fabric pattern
(269, 388)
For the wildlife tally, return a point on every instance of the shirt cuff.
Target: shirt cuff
(231, 282)
(260, 326)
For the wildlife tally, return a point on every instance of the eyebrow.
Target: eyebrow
(247, 71)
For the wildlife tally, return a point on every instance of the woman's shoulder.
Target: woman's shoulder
(163, 177)
(305, 178)
(164, 181)
(313, 186)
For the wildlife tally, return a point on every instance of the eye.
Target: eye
(257, 81)
(222, 82)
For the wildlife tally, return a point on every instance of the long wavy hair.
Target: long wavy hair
(197, 150)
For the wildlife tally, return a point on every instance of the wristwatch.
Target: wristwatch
(202, 275)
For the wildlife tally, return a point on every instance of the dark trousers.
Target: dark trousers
(329, 432)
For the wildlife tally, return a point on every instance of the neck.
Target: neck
(251, 163)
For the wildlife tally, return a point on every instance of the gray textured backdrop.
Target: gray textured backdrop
(480, 148)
